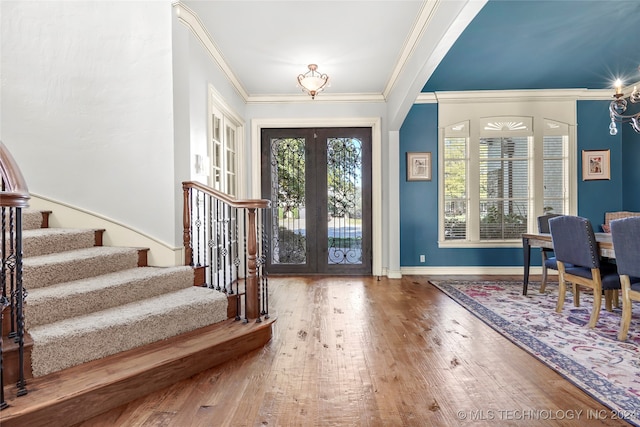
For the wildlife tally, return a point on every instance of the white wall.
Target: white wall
(104, 104)
(87, 106)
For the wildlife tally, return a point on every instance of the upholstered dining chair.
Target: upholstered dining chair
(625, 234)
(574, 242)
(548, 257)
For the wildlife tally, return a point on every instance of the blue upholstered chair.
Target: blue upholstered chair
(625, 234)
(548, 257)
(575, 243)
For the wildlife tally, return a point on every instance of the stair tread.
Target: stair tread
(47, 270)
(81, 286)
(31, 219)
(79, 297)
(125, 314)
(93, 336)
(52, 231)
(76, 255)
(42, 241)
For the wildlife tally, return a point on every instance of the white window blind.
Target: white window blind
(503, 191)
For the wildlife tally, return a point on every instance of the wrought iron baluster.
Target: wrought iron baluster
(234, 247)
(225, 243)
(198, 224)
(21, 295)
(218, 239)
(11, 264)
(210, 243)
(4, 303)
(263, 258)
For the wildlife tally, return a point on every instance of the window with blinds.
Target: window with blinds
(555, 165)
(495, 181)
(503, 179)
(455, 184)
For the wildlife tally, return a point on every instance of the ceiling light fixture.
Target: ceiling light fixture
(313, 81)
(618, 107)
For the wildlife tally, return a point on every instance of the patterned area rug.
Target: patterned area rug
(592, 359)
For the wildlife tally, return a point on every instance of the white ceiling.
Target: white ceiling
(364, 46)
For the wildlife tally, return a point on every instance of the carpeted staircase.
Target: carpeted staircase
(86, 302)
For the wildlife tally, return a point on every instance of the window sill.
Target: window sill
(517, 243)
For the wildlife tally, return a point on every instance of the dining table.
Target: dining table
(543, 240)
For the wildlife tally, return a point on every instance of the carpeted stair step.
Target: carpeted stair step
(74, 341)
(32, 219)
(45, 241)
(46, 270)
(80, 297)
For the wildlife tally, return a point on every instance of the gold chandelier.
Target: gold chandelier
(313, 81)
(618, 107)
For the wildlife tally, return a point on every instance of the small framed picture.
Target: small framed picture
(595, 165)
(419, 166)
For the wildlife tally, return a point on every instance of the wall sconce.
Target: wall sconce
(313, 81)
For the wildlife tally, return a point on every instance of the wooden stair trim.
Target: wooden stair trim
(11, 360)
(76, 394)
(143, 254)
(99, 234)
(45, 219)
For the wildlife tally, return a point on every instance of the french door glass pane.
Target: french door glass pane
(288, 197)
(344, 196)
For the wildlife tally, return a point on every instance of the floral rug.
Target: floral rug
(592, 359)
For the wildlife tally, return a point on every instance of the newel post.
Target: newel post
(186, 224)
(253, 298)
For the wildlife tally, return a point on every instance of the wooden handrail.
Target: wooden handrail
(236, 203)
(251, 208)
(15, 193)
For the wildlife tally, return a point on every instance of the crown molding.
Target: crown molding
(189, 18)
(320, 98)
(520, 95)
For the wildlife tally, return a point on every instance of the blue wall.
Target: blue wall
(419, 199)
(597, 197)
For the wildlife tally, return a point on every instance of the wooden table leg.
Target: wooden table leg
(526, 251)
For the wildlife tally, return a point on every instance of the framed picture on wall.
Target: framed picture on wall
(419, 166)
(595, 165)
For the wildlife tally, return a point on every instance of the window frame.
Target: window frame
(230, 125)
(456, 108)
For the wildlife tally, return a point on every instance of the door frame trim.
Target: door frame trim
(375, 123)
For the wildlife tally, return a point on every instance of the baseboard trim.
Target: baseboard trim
(470, 270)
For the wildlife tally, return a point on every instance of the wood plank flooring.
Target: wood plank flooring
(357, 351)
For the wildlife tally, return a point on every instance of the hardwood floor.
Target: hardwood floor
(353, 351)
